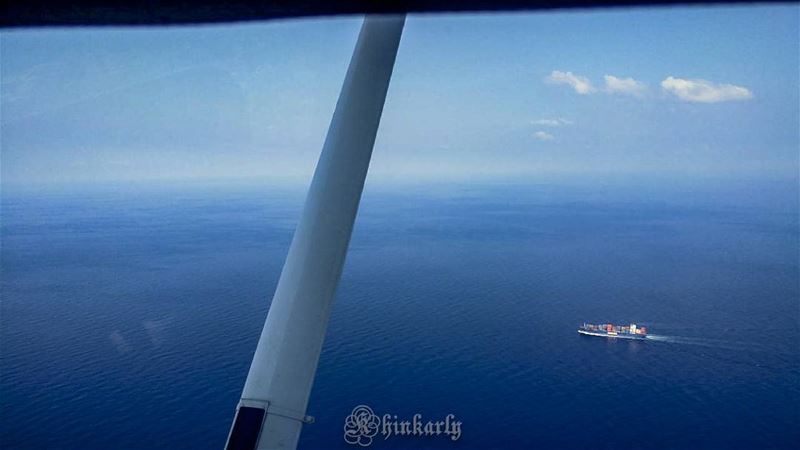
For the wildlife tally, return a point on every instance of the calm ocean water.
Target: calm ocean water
(130, 314)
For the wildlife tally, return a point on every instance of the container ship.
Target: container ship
(614, 331)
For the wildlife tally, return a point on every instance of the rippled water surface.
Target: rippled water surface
(130, 314)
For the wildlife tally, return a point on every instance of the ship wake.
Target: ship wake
(704, 342)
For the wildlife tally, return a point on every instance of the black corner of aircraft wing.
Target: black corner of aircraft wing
(36, 13)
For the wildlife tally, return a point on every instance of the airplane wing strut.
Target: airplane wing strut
(272, 409)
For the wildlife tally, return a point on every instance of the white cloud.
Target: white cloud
(627, 86)
(582, 85)
(704, 91)
(542, 136)
(551, 122)
(688, 90)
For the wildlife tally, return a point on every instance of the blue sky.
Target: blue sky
(667, 91)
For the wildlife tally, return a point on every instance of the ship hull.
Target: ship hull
(612, 335)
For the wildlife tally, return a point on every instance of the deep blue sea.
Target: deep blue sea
(130, 314)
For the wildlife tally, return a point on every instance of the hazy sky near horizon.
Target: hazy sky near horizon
(708, 91)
